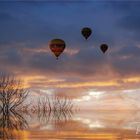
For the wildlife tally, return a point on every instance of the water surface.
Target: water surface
(81, 125)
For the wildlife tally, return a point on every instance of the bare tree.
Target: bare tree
(53, 103)
(9, 122)
(12, 92)
(62, 103)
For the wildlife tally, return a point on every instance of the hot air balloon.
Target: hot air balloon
(86, 32)
(57, 46)
(104, 47)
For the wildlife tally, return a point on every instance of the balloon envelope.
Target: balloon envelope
(57, 46)
(104, 48)
(86, 32)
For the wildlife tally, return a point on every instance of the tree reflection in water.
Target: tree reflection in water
(12, 106)
(56, 117)
(11, 123)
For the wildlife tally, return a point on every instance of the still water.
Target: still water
(81, 125)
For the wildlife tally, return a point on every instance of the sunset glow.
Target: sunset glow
(70, 70)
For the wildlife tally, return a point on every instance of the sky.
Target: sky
(82, 72)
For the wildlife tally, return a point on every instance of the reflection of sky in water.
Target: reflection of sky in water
(92, 125)
(111, 120)
(96, 120)
(83, 125)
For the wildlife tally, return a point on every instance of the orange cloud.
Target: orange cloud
(88, 84)
(59, 82)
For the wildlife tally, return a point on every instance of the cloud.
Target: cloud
(26, 28)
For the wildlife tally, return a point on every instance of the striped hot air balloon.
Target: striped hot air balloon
(57, 46)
